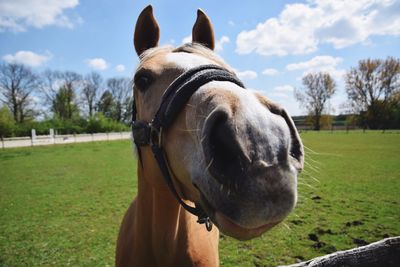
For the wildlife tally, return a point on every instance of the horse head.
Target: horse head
(230, 150)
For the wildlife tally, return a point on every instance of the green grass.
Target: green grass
(62, 205)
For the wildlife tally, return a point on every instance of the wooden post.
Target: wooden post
(385, 252)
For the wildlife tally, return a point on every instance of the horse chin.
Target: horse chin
(233, 229)
(228, 227)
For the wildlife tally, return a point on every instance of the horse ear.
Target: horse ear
(147, 32)
(203, 32)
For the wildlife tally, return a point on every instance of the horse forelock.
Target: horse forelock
(190, 48)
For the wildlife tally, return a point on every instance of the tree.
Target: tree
(17, 82)
(370, 88)
(121, 91)
(91, 87)
(50, 83)
(7, 122)
(59, 90)
(319, 87)
(128, 106)
(64, 104)
(107, 105)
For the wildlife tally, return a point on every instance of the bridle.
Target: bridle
(173, 101)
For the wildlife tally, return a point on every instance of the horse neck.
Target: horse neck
(172, 234)
(160, 218)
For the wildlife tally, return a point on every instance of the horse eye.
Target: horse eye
(142, 82)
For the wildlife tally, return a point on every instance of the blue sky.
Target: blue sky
(271, 44)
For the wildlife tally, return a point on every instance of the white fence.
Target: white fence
(41, 140)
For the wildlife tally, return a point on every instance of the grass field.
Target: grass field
(62, 205)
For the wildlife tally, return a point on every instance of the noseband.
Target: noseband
(173, 101)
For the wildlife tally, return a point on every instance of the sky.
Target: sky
(271, 44)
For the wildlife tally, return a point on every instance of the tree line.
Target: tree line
(72, 103)
(373, 94)
(63, 100)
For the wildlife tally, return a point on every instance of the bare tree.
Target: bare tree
(50, 83)
(370, 87)
(121, 91)
(319, 87)
(92, 86)
(107, 105)
(17, 82)
(59, 90)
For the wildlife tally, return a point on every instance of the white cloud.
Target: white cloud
(231, 23)
(17, 15)
(284, 89)
(97, 63)
(219, 43)
(187, 39)
(120, 68)
(327, 64)
(28, 58)
(284, 96)
(246, 74)
(316, 63)
(270, 72)
(300, 28)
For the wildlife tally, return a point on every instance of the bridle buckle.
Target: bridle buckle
(155, 135)
(206, 221)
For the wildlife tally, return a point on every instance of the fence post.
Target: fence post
(52, 139)
(33, 136)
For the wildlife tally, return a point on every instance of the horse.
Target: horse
(220, 154)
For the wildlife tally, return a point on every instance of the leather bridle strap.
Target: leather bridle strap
(173, 101)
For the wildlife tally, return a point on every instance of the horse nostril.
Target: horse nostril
(224, 154)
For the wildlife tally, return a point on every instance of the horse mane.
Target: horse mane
(191, 48)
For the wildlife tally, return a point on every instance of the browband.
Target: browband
(173, 101)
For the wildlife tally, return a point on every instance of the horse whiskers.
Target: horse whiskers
(312, 177)
(189, 130)
(311, 167)
(310, 186)
(309, 149)
(201, 116)
(314, 161)
(307, 174)
(209, 164)
(309, 164)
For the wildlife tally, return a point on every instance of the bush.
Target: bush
(96, 124)
(7, 123)
(99, 123)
